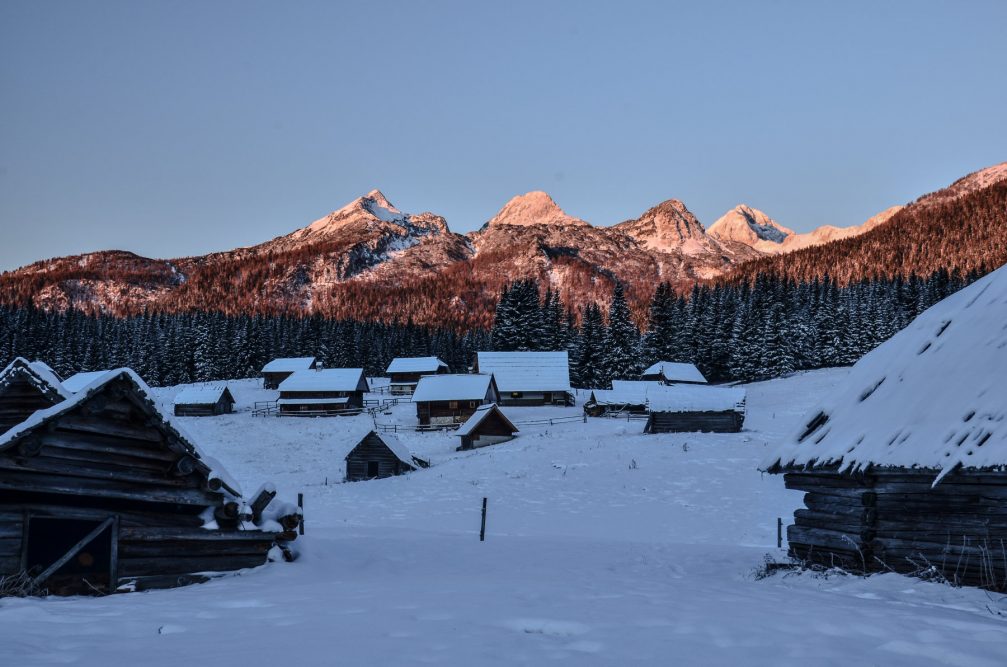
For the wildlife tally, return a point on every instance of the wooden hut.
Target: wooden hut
(78, 381)
(26, 387)
(528, 378)
(689, 408)
(380, 455)
(488, 425)
(673, 372)
(204, 401)
(904, 465)
(278, 370)
(405, 372)
(102, 491)
(626, 397)
(332, 391)
(451, 399)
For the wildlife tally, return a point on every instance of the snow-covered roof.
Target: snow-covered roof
(201, 395)
(695, 398)
(397, 447)
(288, 365)
(78, 381)
(40, 374)
(934, 396)
(674, 371)
(623, 395)
(415, 365)
(329, 379)
(481, 413)
(527, 371)
(207, 465)
(458, 387)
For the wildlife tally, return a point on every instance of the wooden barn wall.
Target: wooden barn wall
(426, 411)
(687, 422)
(372, 449)
(895, 520)
(18, 400)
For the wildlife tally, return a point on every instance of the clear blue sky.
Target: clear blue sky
(175, 128)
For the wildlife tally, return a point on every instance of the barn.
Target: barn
(691, 408)
(278, 370)
(904, 465)
(101, 492)
(405, 372)
(528, 378)
(26, 387)
(204, 401)
(380, 455)
(78, 381)
(332, 391)
(488, 425)
(626, 397)
(673, 372)
(451, 399)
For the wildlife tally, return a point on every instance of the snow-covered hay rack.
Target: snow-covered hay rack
(203, 401)
(102, 492)
(905, 465)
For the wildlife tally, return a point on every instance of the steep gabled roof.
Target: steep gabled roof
(934, 396)
(396, 447)
(674, 371)
(415, 365)
(527, 371)
(459, 387)
(329, 379)
(203, 395)
(38, 374)
(78, 381)
(480, 415)
(288, 364)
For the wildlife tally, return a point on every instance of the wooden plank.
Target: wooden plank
(79, 486)
(95, 442)
(129, 567)
(44, 465)
(109, 427)
(182, 549)
(74, 550)
(133, 517)
(158, 533)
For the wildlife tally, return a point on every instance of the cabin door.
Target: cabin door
(72, 555)
(372, 469)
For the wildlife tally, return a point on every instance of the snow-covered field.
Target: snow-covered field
(604, 547)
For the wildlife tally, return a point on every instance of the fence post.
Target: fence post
(300, 505)
(779, 533)
(482, 528)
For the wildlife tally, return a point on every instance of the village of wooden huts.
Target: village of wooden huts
(405, 372)
(101, 491)
(278, 370)
(528, 378)
(453, 398)
(204, 401)
(673, 372)
(323, 392)
(488, 425)
(690, 408)
(26, 387)
(379, 455)
(904, 466)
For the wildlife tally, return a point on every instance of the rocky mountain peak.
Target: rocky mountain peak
(533, 208)
(370, 211)
(668, 226)
(752, 227)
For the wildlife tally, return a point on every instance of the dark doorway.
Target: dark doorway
(49, 539)
(372, 469)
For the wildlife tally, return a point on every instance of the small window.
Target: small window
(453, 404)
(472, 404)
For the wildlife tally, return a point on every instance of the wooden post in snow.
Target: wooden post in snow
(482, 528)
(779, 533)
(300, 504)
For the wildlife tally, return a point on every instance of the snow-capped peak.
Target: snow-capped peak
(670, 226)
(750, 226)
(533, 208)
(369, 210)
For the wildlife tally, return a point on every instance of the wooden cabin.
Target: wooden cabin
(314, 393)
(204, 401)
(26, 387)
(78, 381)
(673, 372)
(101, 493)
(451, 399)
(278, 370)
(488, 425)
(380, 455)
(405, 372)
(528, 378)
(695, 408)
(904, 464)
(626, 397)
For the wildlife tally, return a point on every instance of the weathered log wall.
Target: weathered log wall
(371, 449)
(728, 421)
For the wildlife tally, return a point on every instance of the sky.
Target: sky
(179, 128)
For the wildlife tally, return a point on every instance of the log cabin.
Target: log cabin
(626, 397)
(102, 493)
(204, 401)
(488, 425)
(904, 464)
(695, 408)
(528, 378)
(405, 372)
(328, 392)
(451, 399)
(278, 370)
(26, 387)
(380, 455)
(673, 372)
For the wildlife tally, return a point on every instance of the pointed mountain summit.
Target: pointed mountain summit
(533, 208)
(370, 211)
(752, 227)
(670, 227)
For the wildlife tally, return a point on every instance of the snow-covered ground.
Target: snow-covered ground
(604, 547)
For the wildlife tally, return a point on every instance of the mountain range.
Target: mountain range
(369, 260)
